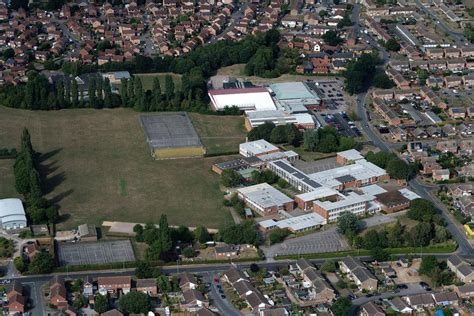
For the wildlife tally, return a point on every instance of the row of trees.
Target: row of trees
(163, 239)
(327, 140)
(280, 134)
(28, 183)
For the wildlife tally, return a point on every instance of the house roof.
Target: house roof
(193, 295)
(372, 309)
(392, 198)
(185, 278)
(142, 283)
(234, 275)
(114, 280)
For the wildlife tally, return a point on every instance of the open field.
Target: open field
(99, 167)
(147, 80)
(219, 134)
(237, 70)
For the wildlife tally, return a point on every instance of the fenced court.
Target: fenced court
(86, 253)
(171, 136)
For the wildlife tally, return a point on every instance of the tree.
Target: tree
(279, 134)
(165, 234)
(398, 169)
(428, 265)
(382, 81)
(332, 38)
(188, 252)
(8, 53)
(254, 268)
(143, 270)
(379, 254)
(348, 223)
(230, 178)
(163, 284)
(421, 210)
(201, 234)
(91, 93)
(42, 263)
(328, 266)
(278, 235)
(20, 264)
(344, 22)
(169, 87)
(392, 45)
(135, 302)
(244, 233)
(74, 94)
(341, 307)
(441, 234)
(101, 304)
(395, 235)
(421, 235)
(360, 73)
(107, 93)
(156, 94)
(79, 301)
(138, 230)
(263, 131)
(123, 91)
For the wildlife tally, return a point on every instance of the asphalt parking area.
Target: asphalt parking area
(95, 252)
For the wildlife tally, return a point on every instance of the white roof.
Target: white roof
(409, 194)
(347, 200)
(278, 155)
(360, 170)
(257, 147)
(296, 223)
(351, 154)
(264, 195)
(11, 209)
(373, 189)
(258, 99)
(318, 193)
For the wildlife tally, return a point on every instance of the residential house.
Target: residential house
(371, 309)
(58, 294)
(445, 298)
(187, 281)
(420, 301)
(447, 146)
(441, 174)
(457, 112)
(15, 298)
(224, 251)
(400, 306)
(466, 290)
(193, 300)
(233, 275)
(147, 286)
(356, 270)
(463, 270)
(114, 284)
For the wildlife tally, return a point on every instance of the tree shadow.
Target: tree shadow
(43, 157)
(63, 218)
(59, 197)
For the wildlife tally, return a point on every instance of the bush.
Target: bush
(278, 235)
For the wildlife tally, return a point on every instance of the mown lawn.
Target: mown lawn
(98, 168)
(219, 134)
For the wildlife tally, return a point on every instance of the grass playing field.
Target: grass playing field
(219, 134)
(99, 167)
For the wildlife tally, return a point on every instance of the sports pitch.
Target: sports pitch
(171, 135)
(85, 253)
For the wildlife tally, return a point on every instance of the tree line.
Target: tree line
(28, 183)
(429, 229)
(195, 68)
(395, 167)
(327, 140)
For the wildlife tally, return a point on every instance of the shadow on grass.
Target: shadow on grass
(63, 218)
(45, 169)
(59, 197)
(43, 157)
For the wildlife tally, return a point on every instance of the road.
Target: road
(221, 303)
(456, 36)
(412, 289)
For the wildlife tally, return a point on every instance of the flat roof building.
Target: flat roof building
(256, 99)
(293, 176)
(277, 117)
(294, 93)
(294, 224)
(352, 202)
(360, 173)
(348, 156)
(265, 199)
(257, 148)
(12, 214)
